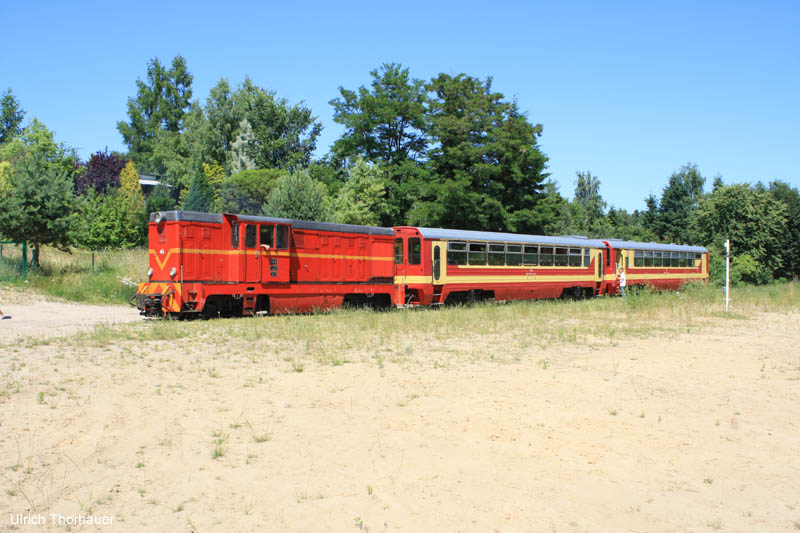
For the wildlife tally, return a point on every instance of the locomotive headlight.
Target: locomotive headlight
(150, 272)
(172, 272)
(157, 219)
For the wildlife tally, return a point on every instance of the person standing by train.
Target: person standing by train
(623, 282)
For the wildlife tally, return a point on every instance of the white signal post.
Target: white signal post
(727, 272)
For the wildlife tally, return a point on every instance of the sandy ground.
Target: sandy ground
(33, 316)
(693, 433)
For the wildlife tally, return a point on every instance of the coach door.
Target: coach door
(274, 245)
(439, 266)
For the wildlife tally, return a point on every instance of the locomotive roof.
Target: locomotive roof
(194, 216)
(468, 235)
(619, 243)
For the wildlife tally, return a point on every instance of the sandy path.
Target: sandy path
(34, 316)
(693, 433)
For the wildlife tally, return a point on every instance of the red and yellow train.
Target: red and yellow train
(232, 265)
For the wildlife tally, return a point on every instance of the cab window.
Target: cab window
(282, 237)
(250, 236)
(398, 251)
(266, 235)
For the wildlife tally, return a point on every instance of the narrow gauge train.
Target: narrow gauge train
(232, 265)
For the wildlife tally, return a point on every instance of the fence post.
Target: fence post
(24, 259)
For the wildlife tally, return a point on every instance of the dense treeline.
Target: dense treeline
(447, 152)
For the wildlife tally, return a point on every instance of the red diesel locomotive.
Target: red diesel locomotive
(233, 265)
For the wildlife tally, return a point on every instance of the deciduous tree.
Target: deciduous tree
(102, 172)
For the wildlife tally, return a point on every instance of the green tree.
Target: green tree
(11, 116)
(271, 133)
(678, 201)
(361, 199)
(386, 123)
(246, 192)
(790, 198)
(587, 195)
(40, 206)
(628, 226)
(160, 104)
(159, 199)
(200, 196)
(299, 196)
(486, 167)
(107, 221)
(753, 220)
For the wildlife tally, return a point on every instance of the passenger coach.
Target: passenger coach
(437, 266)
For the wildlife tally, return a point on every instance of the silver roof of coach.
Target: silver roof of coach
(633, 245)
(468, 235)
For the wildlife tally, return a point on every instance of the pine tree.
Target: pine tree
(298, 195)
(40, 207)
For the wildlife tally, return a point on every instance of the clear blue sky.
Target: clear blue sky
(629, 91)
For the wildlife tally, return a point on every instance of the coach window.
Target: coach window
(497, 254)
(477, 253)
(266, 235)
(514, 254)
(546, 256)
(656, 259)
(250, 236)
(531, 255)
(414, 251)
(235, 234)
(561, 257)
(682, 259)
(587, 259)
(282, 237)
(574, 257)
(648, 258)
(638, 258)
(456, 253)
(398, 251)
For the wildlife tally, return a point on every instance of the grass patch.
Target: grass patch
(71, 276)
(452, 334)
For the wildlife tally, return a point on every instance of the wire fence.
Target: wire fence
(13, 260)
